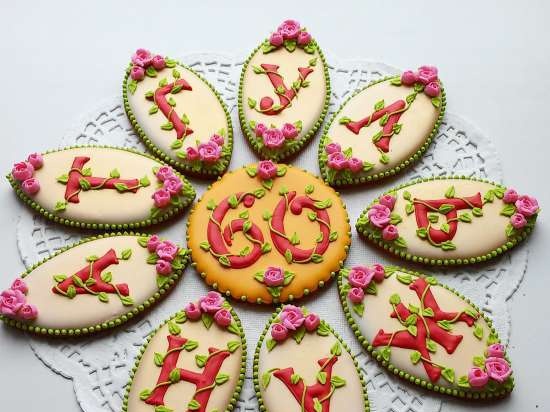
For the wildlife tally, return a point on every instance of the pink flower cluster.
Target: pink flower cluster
(166, 252)
(13, 302)
(292, 318)
(290, 30)
(496, 368)
(360, 277)
(210, 304)
(380, 215)
(273, 137)
(209, 152)
(23, 172)
(427, 75)
(274, 276)
(171, 187)
(526, 206)
(337, 160)
(142, 59)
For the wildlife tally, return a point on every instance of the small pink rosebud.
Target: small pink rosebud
(311, 322)
(163, 267)
(408, 78)
(137, 73)
(22, 171)
(152, 243)
(356, 295)
(388, 201)
(510, 196)
(223, 318)
(260, 129)
(276, 39)
(161, 198)
(379, 272)
(192, 311)
(390, 233)
(518, 221)
(158, 62)
(30, 186)
(304, 38)
(432, 89)
(36, 160)
(279, 332)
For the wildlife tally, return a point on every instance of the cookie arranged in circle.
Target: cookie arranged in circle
(449, 220)
(194, 361)
(268, 233)
(93, 285)
(179, 115)
(383, 128)
(301, 364)
(425, 332)
(284, 92)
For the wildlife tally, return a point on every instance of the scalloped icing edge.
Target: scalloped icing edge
(242, 373)
(291, 298)
(104, 226)
(387, 173)
(282, 155)
(510, 244)
(255, 366)
(147, 304)
(405, 375)
(158, 153)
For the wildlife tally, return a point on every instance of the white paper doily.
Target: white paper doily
(99, 366)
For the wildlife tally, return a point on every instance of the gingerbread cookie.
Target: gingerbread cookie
(268, 233)
(195, 361)
(178, 114)
(93, 285)
(383, 128)
(284, 92)
(301, 364)
(99, 187)
(425, 332)
(449, 220)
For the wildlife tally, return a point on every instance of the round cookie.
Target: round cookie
(268, 233)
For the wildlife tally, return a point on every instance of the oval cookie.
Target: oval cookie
(195, 361)
(383, 128)
(301, 364)
(284, 92)
(179, 115)
(268, 233)
(449, 220)
(425, 332)
(99, 187)
(93, 285)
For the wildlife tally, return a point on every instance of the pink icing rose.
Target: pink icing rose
(273, 138)
(355, 164)
(211, 303)
(527, 205)
(152, 243)
(332, 148)
(142, 58)
(260, 129)
(279, 332)
(164, 173)
(30, 186)
(360, 276)
(432, 89)
(408, 78)
(22, 171)
(291, 317)
(158, 62)
(311, 322)
(390, 233)
(163, 267)
(510, 196)
(20, 285)
(276, 39)
(498, 369)
(477, 378)
(427, 74)
(173, 185)
(289, 29)
(137, 73)
(337, 161)
(379, 215)
(274, 276)
(216, 138)
(304, 38)
(11, 301)
(36, 160)
(209, 152)
(379, 272)
(161, 198)
(191, 153)
(518, 221)
(192, 311)
(167, 250)
(267, 169)
(28, 312)
(496, 350)
(388, 201)
(223, 318)
(356, 295)
(289, 131)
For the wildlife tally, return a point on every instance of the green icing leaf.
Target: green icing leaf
(107, 277)
(268, 183)
(190, 345)
(337, 381)
(207, 320)
(379, 105)
(404, 278)
(63, 178)
(465, 217)
(322, 377)
(400, 242)
(386, 353)
(409, 208)
(222, 378)
(479, 361)
(158, 359)
(448, 374)
(193, 405)
(153, 109)
(415, 357)
(508, 210)
(448, 245)
(444, 324)
(478, 331)
(450, 193)
(395, 219)
(59, 278)
(395, 299)
(299, 334)
(121, 187)
(270, 344)
(174, 375)
(176, 144)
(151, 72)
(251, 103)
(436, 101)
(233, 346)
(372, 289)
(412, 330)
(84, 184)
(126, 254)
(288, 256)
(180, 317)
(463, 382)
(144, 394)
(359, 308)
(344, 120)
(336, 349)
(445, 208)
(396, 81)
(428, 312)
(295, 378)
(431, 345)
(317, 406)
(266, 378)
(167, 126)
(173, 328)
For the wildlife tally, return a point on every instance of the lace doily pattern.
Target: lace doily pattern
(99, 365)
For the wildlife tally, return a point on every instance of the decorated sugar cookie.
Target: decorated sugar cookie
(93, 285)
(301, 364)
(449, 220)
(284, 92)
(178, 114)
(195, 361)
(268, 233)
(382, 128)
(98, 187)
(425, 332)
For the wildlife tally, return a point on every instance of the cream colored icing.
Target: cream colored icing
(309, 103)
(59, 312)
(180, 394)
(418, 121)
(303, 358)
(377, 316)
(201, 105)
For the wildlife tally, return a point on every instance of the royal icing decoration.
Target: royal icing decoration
(93, 285)
(284, 92)
(195, 361)
(101, 187)
(178, 114)
(301, 364)
(425, 332)
(449, 220)
(268, 233)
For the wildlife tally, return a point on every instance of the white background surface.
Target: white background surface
(59, 59)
